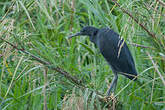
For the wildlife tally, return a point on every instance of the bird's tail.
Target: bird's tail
(132, 76)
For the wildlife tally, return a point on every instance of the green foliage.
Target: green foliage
(41, 27)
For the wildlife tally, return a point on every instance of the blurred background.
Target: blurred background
(41, 27)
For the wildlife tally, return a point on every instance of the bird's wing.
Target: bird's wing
(116, 52)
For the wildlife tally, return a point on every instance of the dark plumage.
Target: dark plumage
(114, 50)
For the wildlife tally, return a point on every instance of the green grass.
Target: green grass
(41, 27)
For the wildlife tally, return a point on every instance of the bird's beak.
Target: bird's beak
(77, 34)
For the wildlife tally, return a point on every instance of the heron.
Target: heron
(114, 50)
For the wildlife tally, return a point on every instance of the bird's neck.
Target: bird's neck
(94, 39)
(93, 36)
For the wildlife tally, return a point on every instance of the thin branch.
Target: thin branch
(156, 68)
(58, 69)
(138, 45)
(128, 13)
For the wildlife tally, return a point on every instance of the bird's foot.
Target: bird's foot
(110, 98)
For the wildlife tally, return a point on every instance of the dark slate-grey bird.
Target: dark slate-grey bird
(114, 50)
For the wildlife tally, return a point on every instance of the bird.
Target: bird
(114, 50)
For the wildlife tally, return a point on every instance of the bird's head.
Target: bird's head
(88, 31)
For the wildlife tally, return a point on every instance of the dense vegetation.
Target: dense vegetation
(38, 28)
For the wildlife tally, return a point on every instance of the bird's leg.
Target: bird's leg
(113, 84)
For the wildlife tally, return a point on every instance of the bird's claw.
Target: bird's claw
(110, 98)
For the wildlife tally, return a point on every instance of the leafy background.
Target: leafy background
(41, 27)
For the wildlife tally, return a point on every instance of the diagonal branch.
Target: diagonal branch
(139, 45)
(128, 13)
(58, 69)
